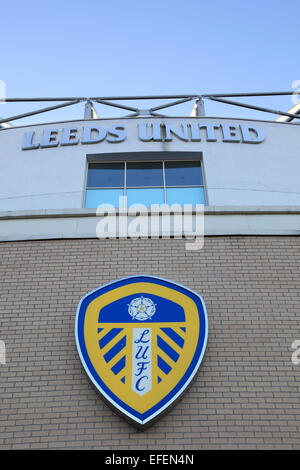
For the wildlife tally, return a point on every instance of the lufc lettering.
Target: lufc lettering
(156, 132)
(141, 361)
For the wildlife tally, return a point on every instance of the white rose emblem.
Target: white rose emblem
(141, 308)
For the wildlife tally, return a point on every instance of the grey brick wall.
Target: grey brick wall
(246, 393)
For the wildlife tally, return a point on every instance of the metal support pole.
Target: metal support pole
(198, 109)
(89, 111)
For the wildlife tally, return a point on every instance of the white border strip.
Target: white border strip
(81, 223)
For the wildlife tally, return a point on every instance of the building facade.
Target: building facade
(243, 176)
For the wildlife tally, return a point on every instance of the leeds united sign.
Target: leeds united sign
(192, 131)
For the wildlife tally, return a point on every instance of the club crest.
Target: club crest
(141, 340)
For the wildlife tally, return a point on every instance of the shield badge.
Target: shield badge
(141, 340)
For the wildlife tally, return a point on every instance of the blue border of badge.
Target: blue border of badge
(149, 415)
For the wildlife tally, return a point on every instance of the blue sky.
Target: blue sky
(97, 48)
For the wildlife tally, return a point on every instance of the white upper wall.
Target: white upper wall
(236, 173)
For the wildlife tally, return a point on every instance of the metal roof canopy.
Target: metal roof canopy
(198, 109)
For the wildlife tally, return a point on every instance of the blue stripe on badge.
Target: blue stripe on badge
(109, 336)
(167, 349)
(163, 365)
(119, 366)
(174, 336)
(115, 349)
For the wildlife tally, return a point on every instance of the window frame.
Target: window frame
(164, 187)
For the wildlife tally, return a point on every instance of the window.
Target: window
(170, 182)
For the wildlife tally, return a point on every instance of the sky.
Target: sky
(99, 48)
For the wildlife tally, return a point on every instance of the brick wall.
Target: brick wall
(246, 393)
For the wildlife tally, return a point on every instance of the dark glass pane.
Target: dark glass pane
(183, 174)
(144, 174)
(105, 175)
